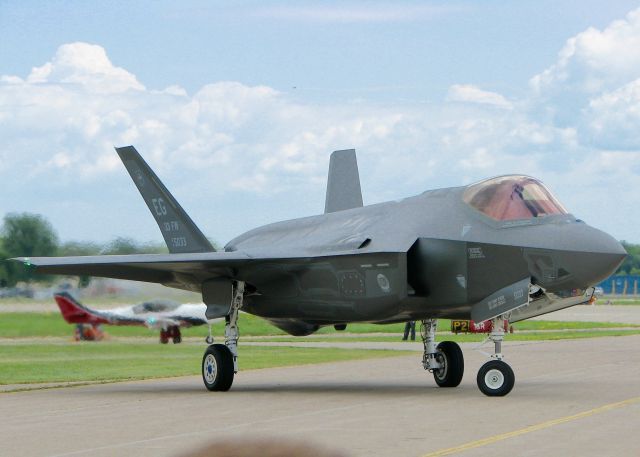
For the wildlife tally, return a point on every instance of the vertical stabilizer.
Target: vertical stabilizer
(180, 233)
(343, 184)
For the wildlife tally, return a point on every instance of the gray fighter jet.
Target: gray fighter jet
(501, 249)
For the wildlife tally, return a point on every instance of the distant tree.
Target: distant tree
(4, 278)
(77, 248)
(153, 248)
(123, 246)
(26, 235)
(631, 264)
(215, 244)
(74, 248)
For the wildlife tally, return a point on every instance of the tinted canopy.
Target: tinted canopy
(158, 306)
(512, 197)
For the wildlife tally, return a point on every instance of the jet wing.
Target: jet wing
(184, 271)
(168, 269)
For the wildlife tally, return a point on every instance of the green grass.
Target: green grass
(35, 363)
(33, 325)
(24, 325)
(28, 362)
(466, 338)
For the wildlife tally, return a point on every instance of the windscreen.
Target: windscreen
(512, 197)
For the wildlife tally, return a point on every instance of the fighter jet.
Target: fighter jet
(165, 315)
(501, 249)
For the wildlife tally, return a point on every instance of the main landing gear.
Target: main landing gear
(173, 332)
(220, 361)
(445, 360)
(495, 378)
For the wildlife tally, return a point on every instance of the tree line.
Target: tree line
(31, 235)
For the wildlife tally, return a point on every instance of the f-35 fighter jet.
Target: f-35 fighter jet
(501, 249)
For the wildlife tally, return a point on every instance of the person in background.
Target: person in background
(410, 326)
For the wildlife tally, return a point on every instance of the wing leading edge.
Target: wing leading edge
(183, 271)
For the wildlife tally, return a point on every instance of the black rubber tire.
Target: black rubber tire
(217, 368)
(495, 378)
(451, 355)
(164, 336)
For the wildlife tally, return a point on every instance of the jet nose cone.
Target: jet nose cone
(599, 255)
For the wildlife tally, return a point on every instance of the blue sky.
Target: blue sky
(238, 105)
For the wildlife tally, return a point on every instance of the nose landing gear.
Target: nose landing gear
(495, 378)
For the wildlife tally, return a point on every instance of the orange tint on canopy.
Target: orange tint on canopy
(513, 197)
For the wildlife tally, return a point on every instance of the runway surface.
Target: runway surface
(628, 314)
(574, 397)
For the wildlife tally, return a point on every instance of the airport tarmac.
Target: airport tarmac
(629, 314)
(572, 397)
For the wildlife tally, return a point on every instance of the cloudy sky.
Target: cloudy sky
(238, 107)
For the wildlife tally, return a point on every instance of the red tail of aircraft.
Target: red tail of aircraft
(75, 313)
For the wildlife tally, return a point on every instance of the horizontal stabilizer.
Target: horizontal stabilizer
(343, 184)
(180, 233)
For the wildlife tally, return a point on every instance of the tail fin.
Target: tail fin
(343, 184)
(179, 231)
(75, 313)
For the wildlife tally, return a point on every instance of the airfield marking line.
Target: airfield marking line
(532, 428)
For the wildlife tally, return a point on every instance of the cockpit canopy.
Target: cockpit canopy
(512, 197)
(157, 306)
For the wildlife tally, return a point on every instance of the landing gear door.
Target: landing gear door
(502, 301)
(217, 294)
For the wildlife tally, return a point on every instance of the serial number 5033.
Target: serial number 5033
(179, 242)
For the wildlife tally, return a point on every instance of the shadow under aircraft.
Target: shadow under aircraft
(503, 249)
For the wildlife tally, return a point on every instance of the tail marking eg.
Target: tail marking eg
(180, 233)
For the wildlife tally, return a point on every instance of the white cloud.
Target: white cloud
(614, 117)
(595, 60)
(472, 94)
(86, 65)
(228, 141)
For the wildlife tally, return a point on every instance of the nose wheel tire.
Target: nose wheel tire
(452, 361)
(495, 378)
(217, 368)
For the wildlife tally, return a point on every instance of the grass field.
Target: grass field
(33, 325)
(37, 363)
(463, 338)
(30, 356)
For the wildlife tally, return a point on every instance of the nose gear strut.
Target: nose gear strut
(495, 378)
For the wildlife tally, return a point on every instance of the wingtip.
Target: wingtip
(24, 260)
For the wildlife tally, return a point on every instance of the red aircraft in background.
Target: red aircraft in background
(165, 315)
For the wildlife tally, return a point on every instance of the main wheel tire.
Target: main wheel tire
(164, 336)
(450, 356)
(217, 368)
(495, 378)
